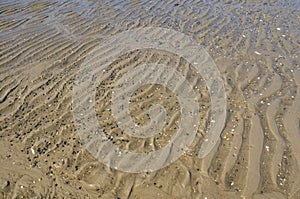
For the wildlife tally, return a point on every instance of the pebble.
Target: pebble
(258, 53)
(268, 148)
(32, 151)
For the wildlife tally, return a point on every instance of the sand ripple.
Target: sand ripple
(255, 46)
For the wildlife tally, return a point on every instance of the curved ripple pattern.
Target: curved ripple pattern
(148, 38)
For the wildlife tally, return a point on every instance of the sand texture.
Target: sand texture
(255, 45)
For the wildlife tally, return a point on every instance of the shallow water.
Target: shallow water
(45, 46)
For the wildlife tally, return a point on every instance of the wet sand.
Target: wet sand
(255, 47)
